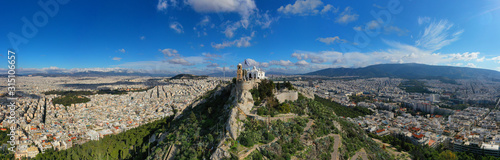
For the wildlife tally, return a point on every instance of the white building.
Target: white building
(256, 74)
(93, 135)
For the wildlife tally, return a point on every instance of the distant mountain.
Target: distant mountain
(97, 74)
(188, 76)
(411, 71)
(221, 74)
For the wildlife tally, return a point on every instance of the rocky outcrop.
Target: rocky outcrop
(240, 108)
(220, 154)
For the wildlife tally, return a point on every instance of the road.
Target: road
(336, 145)
(361, 153)
(249, 151)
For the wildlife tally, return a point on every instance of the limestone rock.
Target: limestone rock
(220, 154)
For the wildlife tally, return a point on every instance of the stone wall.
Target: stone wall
(287, 95)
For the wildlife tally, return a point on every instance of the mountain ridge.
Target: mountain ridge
(410, 71)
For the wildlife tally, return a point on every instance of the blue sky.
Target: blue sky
(292, 36)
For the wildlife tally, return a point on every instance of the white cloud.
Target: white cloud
(357, 28)
(422, 20)
(162, 5)
(372, 25)
(264, 64)
(117, 58)
(321, 57)
(122, 50)
(302, 7)
(346, 16)
(397, 53)
(301, 63)
(465, 56)
(242, 42)
(180, 61)
(328, 8)
(480, 59)
(265, 20)
(177, 27)
(281, 63)
(169, 52)
(394, 29)
(472, 65)
(244, 8)
(495, 59)
(229, 32)
(211, 56)
(204, 21)
(330, 40)
(213, 65)
(437, 35)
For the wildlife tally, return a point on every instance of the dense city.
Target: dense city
(43, 125)
(461, 116)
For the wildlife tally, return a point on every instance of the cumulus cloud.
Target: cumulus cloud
(142, 37)
(211, 55)
(329, 8)
(177, 27)
(244, 8)
(465, 56)
(242, 42)
(213, 65)
(265, 20)
(321, 57)
(303, 7)
(394, 29)
(229, 31)
(180, 61)
(162, 5)
(330, 40)
(168, 52)
(397, 53)
(281, 63)
(472, 65)
(122, 50)
(437, 35)
(347, 16)
(495, 59)
(301, 63)
(372, 25)
(117, 58)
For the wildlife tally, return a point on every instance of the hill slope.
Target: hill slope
(410, 71)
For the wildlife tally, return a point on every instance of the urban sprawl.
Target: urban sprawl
(425, 118)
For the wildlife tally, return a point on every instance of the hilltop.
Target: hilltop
(188, 76)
